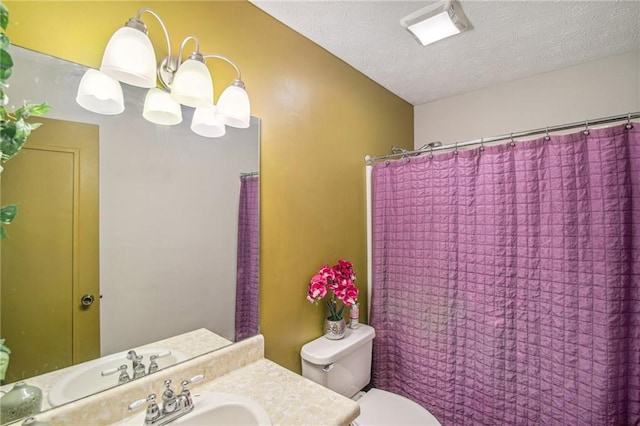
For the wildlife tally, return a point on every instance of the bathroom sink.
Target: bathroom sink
(217, 409)
(86, 378)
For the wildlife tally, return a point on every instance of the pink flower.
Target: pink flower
(351, 295)
(327, 273)
(340, 280)
(345, 269)
(319, 278)
(333, 284)
(344, 264)
(340, 292)
(317, 290)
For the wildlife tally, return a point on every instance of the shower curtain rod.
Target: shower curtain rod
(433, 146)
(249, 174)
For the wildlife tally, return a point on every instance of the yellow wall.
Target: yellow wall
(319, 118)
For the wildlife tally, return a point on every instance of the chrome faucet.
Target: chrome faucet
(184, 400)
(138, 366)
(172, 407)
(169, 400)
(133, 357)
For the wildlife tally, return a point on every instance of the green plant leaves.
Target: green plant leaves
(6, 63)
(27, 110)
(14, 131)
(8, 213)
(12, 138)
(6, 66)
(4, 16)
(4, 41)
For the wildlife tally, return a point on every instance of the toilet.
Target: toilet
(344, 366)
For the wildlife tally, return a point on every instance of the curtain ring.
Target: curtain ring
(456, 150)
(431, 152)
(547, 137)
(629, 126)
(513, 143)
(586, 128)
(481, 144)
(386, 163)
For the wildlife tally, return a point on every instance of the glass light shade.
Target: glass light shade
(99, 93)
(438, 20)
(159, 108)
(129, 58)
(234, 108)
(205, 123)
(192, 85)
(435, 28)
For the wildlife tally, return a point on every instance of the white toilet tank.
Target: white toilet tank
(344, 365)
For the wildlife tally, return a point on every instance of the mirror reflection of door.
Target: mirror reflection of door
(50, 259)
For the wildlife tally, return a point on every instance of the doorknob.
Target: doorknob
(87, 299)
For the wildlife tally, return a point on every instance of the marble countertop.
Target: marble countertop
(288, 398)
(191, 344)
(241, 369)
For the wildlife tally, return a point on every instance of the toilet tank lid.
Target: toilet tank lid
(323, 351)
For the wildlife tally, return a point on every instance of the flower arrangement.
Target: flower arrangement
(340, 281)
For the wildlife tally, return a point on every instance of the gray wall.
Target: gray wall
(603, 88)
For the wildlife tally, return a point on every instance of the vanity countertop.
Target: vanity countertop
(191, 344)
(288, 398)
(241, 369)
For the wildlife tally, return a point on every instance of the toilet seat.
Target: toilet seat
(382, 408)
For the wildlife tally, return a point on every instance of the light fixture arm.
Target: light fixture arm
(137, 21)
(237, 82)
(170, 64)
(193, 55)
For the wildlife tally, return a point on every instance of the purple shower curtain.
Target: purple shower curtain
(506, 286)
(248, 259)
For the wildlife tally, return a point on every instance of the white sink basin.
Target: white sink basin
(86, 378)
(217, 409)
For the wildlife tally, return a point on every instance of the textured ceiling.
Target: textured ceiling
(508, 40)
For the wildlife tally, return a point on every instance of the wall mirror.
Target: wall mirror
(169, 211)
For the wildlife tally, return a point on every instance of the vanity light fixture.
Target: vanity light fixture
(435, 22)
(129, 58)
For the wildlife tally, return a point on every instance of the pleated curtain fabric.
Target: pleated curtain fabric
(505, 281)
(247, 319)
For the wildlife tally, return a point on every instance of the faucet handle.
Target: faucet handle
(111, 371)
(194, 379)
(153, 410)
(124, 376)
(186, 401)
(139, 403)
(161, 354)
(153, 365)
